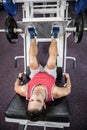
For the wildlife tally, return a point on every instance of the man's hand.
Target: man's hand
(68, 83)
(20, 75)
(20, 89)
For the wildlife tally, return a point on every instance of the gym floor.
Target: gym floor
(8, 73)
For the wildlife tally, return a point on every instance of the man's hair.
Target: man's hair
(35, 115)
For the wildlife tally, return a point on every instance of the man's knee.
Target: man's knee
(51, 65)
(33, 65)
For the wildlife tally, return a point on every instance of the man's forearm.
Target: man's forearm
(17, 82)
(20, 89)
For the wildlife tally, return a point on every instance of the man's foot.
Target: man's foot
(54, 31)
(32, 31)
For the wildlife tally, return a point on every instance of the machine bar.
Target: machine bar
(39, 123)
(15, 30)
(45, 11)
(36, 1)
(70, 29)
(49, 19)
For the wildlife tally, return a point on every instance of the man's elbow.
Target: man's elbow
(15, 88)
(20, 90)
(67, 92)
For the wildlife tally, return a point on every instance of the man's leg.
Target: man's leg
(51, 63)
(33, 51)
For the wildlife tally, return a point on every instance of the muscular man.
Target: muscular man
(42, 88)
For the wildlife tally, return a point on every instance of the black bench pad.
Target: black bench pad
(57, 111)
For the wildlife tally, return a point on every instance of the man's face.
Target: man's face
(36, 101)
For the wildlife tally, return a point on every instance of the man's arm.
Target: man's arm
(20, 89)
(59, 92)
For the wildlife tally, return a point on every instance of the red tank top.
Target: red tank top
(45, 79)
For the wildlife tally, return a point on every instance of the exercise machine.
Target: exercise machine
(46, 12)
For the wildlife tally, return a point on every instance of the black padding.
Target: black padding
(17, 108)
(56, 111)
(60, 80)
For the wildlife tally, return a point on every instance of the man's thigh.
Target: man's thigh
(33, 72)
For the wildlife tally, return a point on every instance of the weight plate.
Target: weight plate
(10, 25)
(79, 24)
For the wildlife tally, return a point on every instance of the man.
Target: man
(42, 88)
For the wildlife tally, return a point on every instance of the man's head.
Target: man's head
(36, 105)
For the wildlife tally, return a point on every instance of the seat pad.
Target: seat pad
(56, 111)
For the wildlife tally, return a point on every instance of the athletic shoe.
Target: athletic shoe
(54, 31)
(32, 31)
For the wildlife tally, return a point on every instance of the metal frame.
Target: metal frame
(57, 13)
(44, 124)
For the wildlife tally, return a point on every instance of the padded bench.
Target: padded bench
(57, 113)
